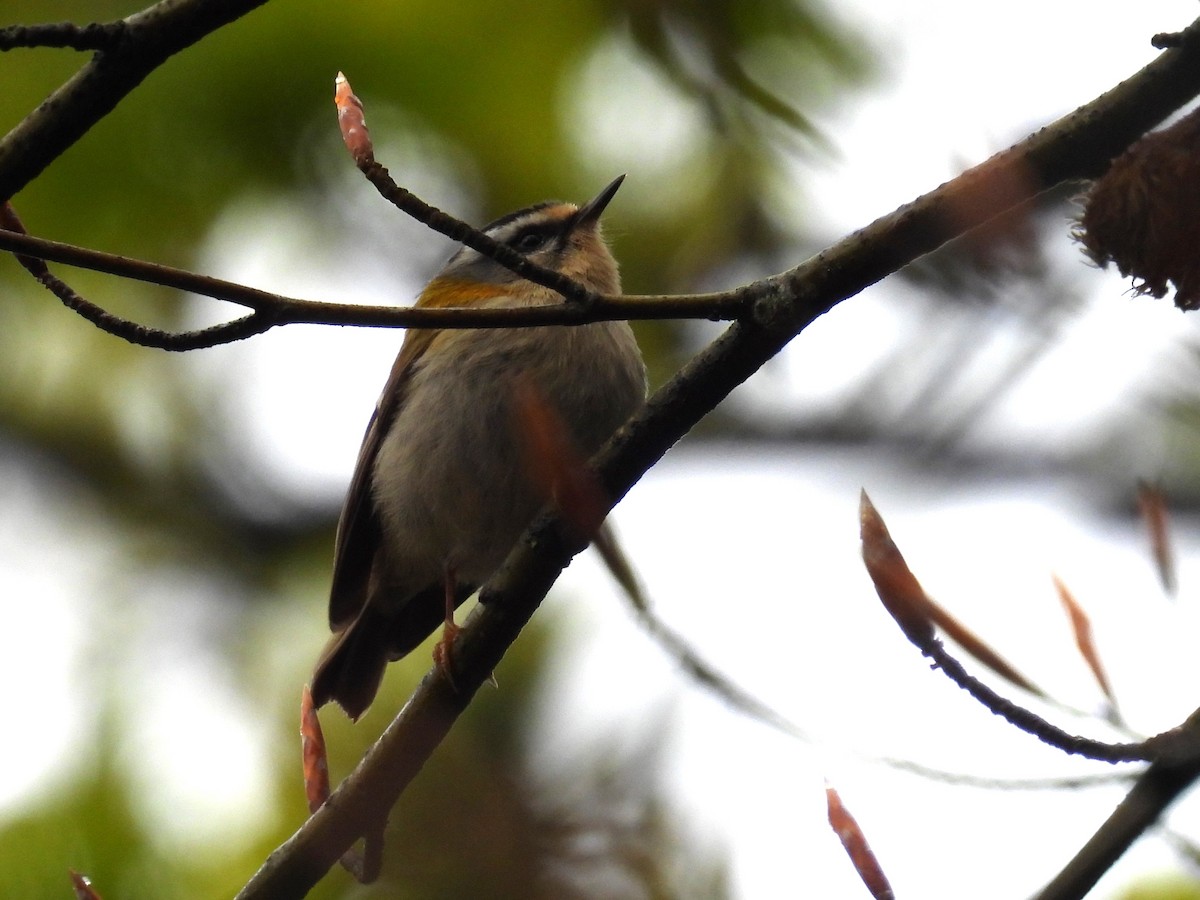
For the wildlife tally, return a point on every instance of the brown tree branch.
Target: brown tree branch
(919, 617)
(1157, 788)
(255, 323)
(1078, 146)
(708, 678)
(68, 35)
(357, 138)
(1172, 743)
(147, 40)
(273, 309)
(456, 229)
(283, 310)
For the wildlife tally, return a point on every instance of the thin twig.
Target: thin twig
(993, 783)
(1152, 793)
(19, 242)
(357, 138)
(689, 660)
(707, 677)
(255, 323)
(1145, 750)
(284, 310)
(906, 601)
(458, 230)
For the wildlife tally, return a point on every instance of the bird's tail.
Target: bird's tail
(351, 665)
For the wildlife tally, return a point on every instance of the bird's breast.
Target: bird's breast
(451, 480)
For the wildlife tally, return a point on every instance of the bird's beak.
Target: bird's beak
(589, 213)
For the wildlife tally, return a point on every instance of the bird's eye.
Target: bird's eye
(530, 241)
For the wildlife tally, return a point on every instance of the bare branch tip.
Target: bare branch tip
(1167, 40)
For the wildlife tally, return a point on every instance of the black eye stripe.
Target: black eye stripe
(537, 234)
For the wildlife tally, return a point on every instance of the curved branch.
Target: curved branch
(15, 239)
(458, 230)
(357, 139)
(255, 323)
(1077, 146)
(1166, 744)
(145, 336)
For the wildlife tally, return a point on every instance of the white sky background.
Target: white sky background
(754, 556)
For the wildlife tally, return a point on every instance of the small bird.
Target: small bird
(441, 490)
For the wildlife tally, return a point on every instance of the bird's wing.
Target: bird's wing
(359, 529)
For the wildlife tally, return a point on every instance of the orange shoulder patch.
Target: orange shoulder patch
(448, 292)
